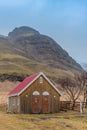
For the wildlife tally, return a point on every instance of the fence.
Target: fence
(68, 105)
(3, 107)
(64, 106)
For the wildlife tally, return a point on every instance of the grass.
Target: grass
(59, 121)
(64, 120)
(5, 88)
(11, 56)
(10, 63)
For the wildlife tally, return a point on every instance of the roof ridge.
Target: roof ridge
(27, 82)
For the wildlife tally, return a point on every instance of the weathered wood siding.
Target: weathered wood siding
(26, 97)
(14, 104)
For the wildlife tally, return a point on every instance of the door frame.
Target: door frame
(35, 93)
(46, 93)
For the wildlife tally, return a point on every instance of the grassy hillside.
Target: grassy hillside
(26, 51)
(5, 88)
(10, 63)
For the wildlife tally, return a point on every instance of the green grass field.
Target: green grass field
(59, 121)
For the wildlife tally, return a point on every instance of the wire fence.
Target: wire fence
(68, 105)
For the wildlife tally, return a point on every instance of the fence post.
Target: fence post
(81, 107)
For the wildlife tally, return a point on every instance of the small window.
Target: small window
(36, 93)
(41, 80)
(45, 93)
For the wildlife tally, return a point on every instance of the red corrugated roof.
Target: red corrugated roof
(23, 84)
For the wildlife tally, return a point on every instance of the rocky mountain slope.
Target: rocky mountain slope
(26, 51)
(84, 65)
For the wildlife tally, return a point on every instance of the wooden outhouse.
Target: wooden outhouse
(36, 94)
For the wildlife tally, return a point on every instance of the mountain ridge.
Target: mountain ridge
(84, 65)
(25, 50)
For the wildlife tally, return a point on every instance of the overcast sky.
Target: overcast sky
(64, 20)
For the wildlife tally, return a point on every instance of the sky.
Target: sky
(63, 20)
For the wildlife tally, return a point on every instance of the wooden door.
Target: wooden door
(45, 103)
(36, 102)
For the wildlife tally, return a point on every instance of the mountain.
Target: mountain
(26, 51)
(84, 65)
(2, 36)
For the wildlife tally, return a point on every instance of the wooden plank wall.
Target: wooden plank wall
(26, 96)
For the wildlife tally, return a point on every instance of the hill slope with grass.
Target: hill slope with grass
(26, 51)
